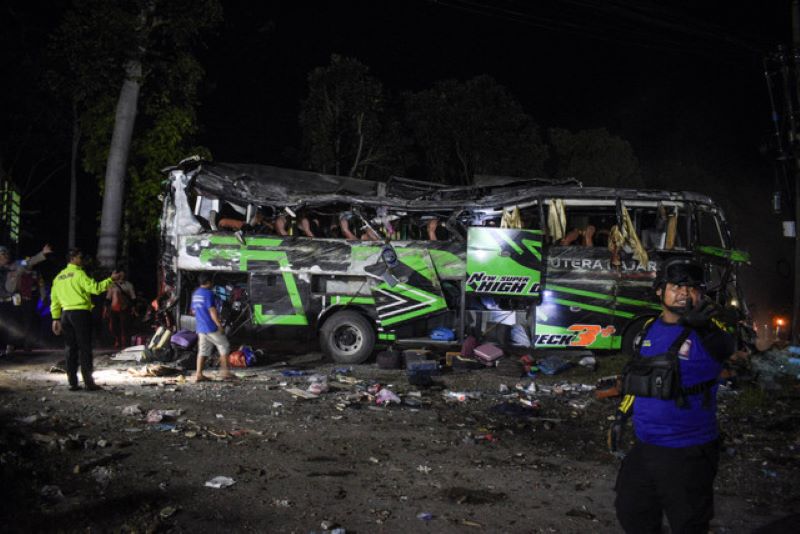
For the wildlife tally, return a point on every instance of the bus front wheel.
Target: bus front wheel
(347, 337)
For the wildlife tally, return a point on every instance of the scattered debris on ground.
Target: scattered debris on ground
(358, 449)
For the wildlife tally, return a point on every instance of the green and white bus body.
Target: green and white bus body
(355, 296)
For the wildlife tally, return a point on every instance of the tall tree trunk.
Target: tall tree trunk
(73, 176)
(113, 193)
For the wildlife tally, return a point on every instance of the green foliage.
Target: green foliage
(473, 127)
(595, 157)
(98, 123)
(161, 144)
(89, 52)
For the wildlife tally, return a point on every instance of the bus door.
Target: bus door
(578, 308)
(503, 279)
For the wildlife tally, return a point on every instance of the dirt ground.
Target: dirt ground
(90, 461)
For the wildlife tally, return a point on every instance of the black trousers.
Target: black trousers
(76, 328)
(677, 482)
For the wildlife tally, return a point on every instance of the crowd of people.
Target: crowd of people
(350, 224)
(25, 304)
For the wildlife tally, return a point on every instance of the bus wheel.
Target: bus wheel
(347, 337)
(629, 338)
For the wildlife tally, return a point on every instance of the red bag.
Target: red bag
(237, 359)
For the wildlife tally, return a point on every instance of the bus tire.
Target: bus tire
(629, 338)
(347, 337)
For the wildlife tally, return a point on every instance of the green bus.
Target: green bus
(355, 265)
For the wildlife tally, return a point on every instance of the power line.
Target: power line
(618, 24)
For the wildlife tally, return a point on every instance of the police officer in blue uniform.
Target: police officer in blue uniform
(670, 386)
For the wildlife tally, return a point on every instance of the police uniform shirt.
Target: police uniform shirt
(663, 422)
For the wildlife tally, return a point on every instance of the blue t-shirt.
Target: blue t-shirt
(662, 422)
(202, 300)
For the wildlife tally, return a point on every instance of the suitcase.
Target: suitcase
(488, 353)
(422, 366)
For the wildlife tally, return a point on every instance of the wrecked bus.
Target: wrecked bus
(355, 264)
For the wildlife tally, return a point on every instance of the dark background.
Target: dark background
(682, 81)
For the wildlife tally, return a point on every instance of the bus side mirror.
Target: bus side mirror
(389, 256)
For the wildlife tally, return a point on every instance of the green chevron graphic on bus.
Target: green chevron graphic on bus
(738, 256)
(504, 261)
(243, 254)
(403, 302)
(603, 296)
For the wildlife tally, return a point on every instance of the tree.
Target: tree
(83, 54)
(595, 157)
(144, 47)
(473, 127)
(343, 120)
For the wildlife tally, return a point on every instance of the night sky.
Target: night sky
(647, 73)
(682, 81)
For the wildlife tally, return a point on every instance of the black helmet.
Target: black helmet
(682, 272)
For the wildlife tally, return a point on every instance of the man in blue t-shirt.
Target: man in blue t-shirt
(671, 468)
(209, 329)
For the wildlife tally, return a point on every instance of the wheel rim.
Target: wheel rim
(347, 339)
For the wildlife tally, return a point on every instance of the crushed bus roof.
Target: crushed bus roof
(276, 186)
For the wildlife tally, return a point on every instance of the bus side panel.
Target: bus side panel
(635, 295)
(417, 293)
(578, 306)
(279, 298)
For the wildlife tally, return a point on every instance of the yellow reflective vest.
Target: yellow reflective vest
(73, 290)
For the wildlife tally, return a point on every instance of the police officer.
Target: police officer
(672, 466)
(71, 307)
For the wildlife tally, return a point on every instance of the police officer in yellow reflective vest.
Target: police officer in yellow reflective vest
(671, 388)
(71, 307)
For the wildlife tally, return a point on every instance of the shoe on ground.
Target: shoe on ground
(75, 387)
(94, 387)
